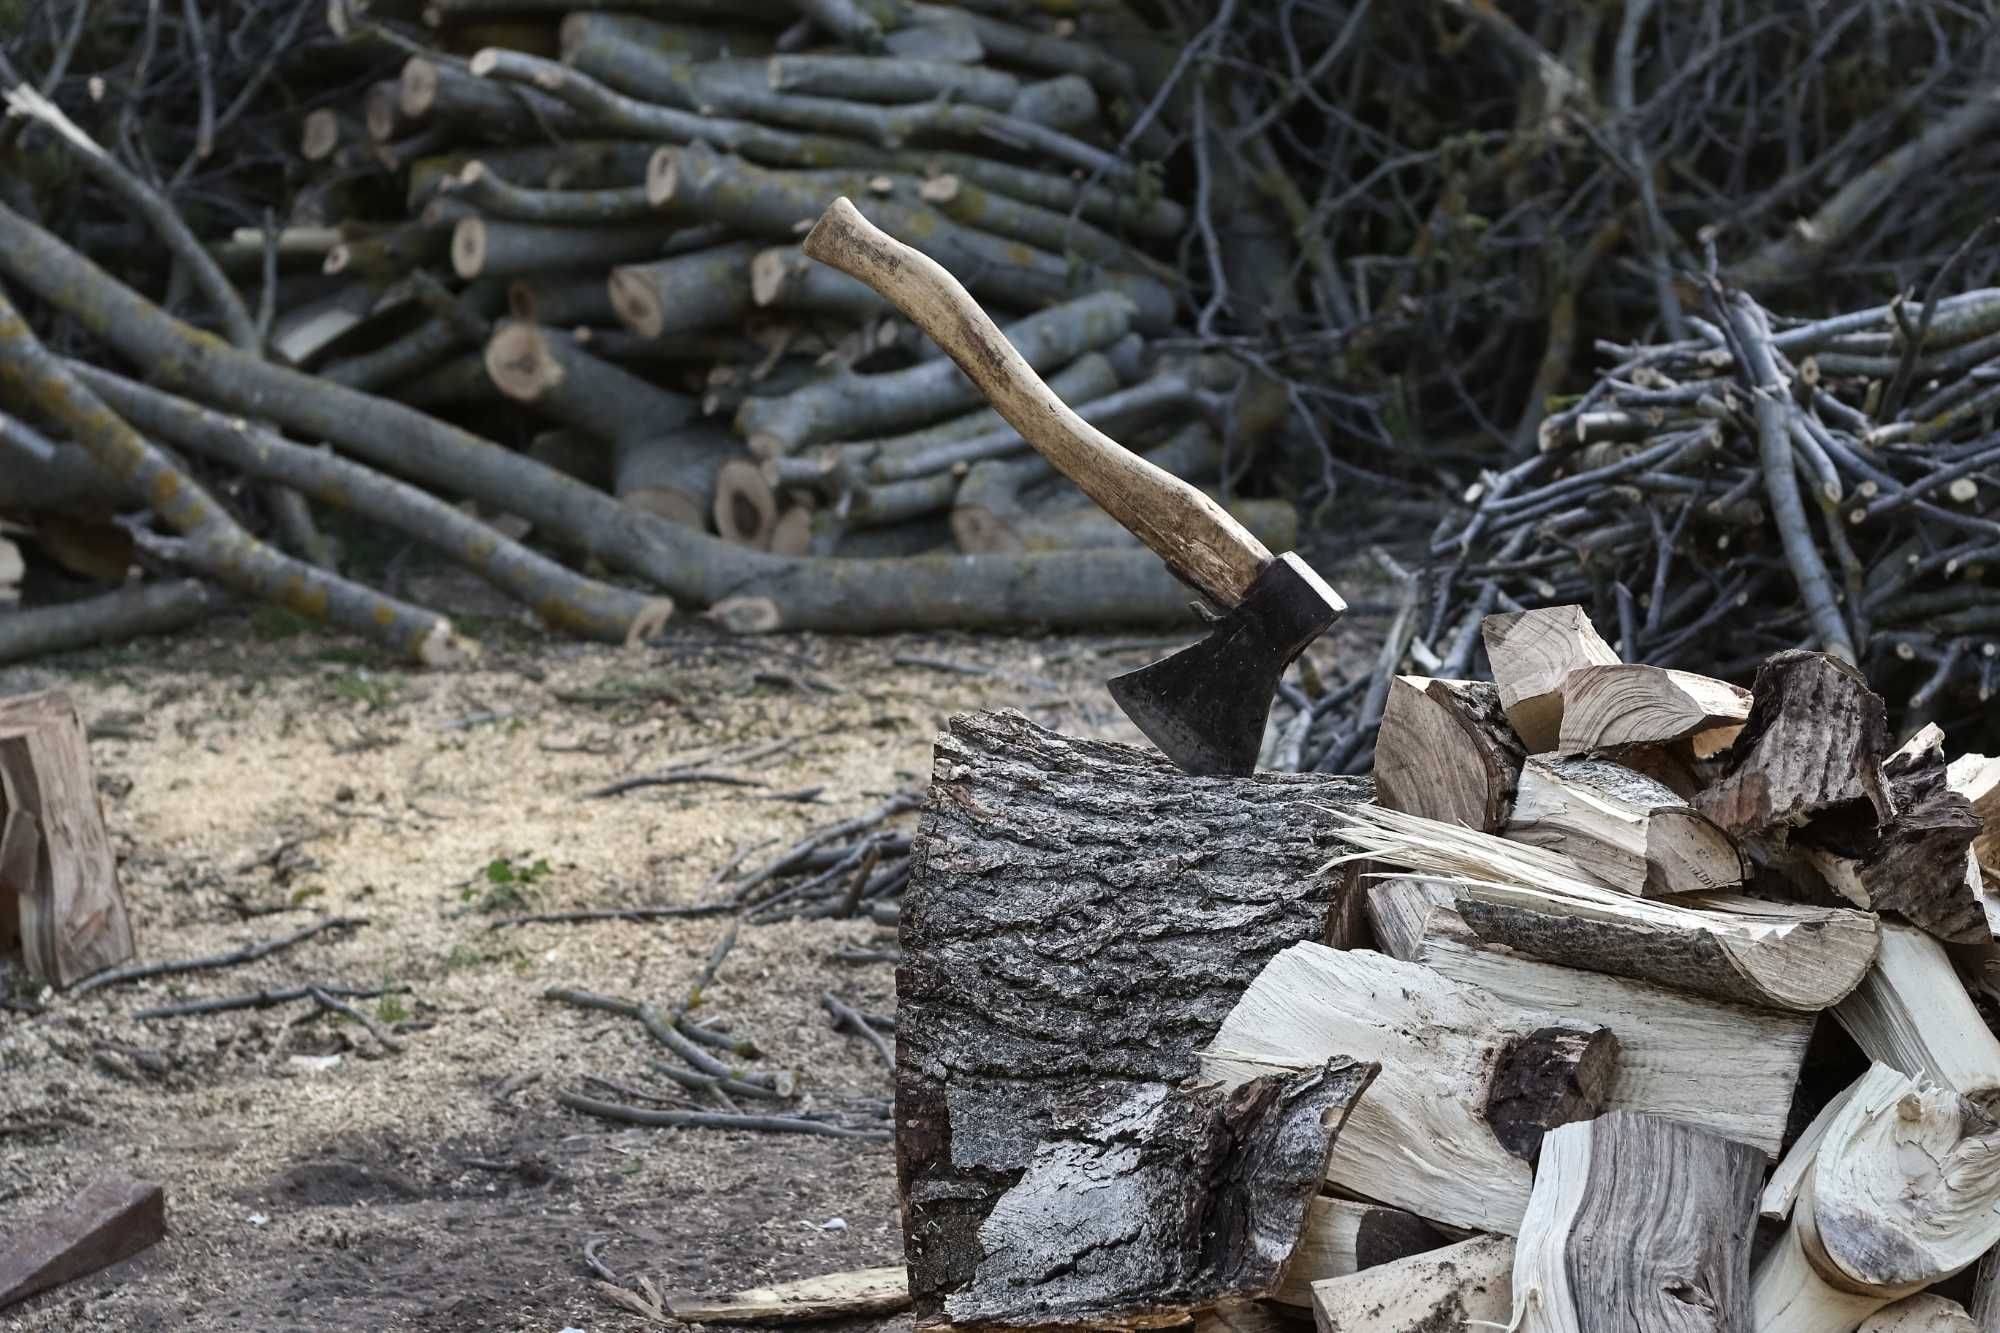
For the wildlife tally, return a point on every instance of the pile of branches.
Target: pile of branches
(1415, 219)
(1765, 483)
(574, 235)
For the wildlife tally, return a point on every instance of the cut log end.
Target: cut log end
(662, 171)
(636, 303)
(468, 247)
(337, 260)
(770, 274)
(519, 363)
(745, 509)
(483, 62)
(747, 615)
(792, 534)
(417, 93)
(319, 134)
(382, 110)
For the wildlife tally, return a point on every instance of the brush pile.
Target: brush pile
(1765, 483)
(1642, 991)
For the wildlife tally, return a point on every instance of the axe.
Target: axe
(1206, 705)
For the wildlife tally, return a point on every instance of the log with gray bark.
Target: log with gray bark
(1026, 885)
(1144, 1204)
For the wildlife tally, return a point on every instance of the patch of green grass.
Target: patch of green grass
(371, 691)
(463, 958)
(273, 624)
(509, 885)
(390, 1009)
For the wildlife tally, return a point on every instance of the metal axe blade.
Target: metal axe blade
(1205, 706)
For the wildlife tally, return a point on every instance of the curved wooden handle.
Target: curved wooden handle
(1195, 536)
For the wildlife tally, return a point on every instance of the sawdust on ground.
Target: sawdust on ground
(316, 1183)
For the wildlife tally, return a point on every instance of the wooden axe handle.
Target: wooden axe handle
(1195, 536)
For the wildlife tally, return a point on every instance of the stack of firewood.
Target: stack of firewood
(602, 225)
(574, 234)
(1646, 1002)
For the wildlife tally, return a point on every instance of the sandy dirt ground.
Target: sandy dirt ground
(256, 779)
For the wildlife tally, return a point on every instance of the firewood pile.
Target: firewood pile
(1622, 998)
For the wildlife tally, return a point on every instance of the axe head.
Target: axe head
(1206, 705)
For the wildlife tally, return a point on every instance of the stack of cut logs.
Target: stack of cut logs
(638, 282)
(1640, 1002)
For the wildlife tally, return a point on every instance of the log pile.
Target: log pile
(1657, 1006)
(576, 235)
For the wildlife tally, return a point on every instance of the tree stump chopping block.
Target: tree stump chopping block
(1080, 919)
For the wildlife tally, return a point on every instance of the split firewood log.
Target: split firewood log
(1920, 863)
(1608, 709)
(1922, 1313)
(1976, 777)
(1984, 1306)
(1811, 750)
(1468, 1083)
(1463, 1286)
(1531, 653)
(1788, 1177)
(990, 1052)
(1344, 1236)
(1727, 1068)
(1902, 1194)
(1636, 1223)
(1726, 946)
(1540, 904)
(1628, 831)
(1446, 751)
(61, 905)
(1911, 1013)
(1158, 1202)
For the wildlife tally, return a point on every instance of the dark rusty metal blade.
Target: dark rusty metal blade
(1205, 706)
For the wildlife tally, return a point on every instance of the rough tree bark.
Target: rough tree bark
(1081, 917)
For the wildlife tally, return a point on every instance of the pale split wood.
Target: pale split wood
(1344, 1236)
(1629, 831)
(1446, 751)
(1727, 1068)
(1781, 1191)
(1977, 778)
(1607, 708)
(1985, 1304)
(1531, 652)
(1912, 1014)
(1904, 1192)
(1539, 903)
(1464, 1286)
(1420, 1140)
(1637, 1225)
(1923, 1313)
(12, 567)
(864, 1291)
(1192, 533)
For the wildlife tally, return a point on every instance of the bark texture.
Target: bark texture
(1081, 917)
(1164, 1202)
